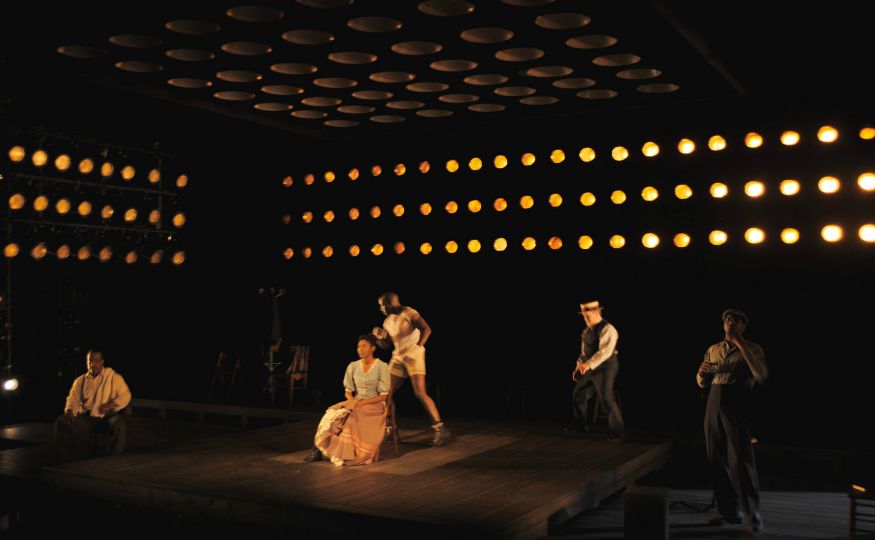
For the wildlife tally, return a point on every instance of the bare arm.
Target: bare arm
(382, 336)
(423, 327)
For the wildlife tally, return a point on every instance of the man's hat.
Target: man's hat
(737, 312)
(590, 306)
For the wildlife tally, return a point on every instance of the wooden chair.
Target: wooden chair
(299, 370)
(388, 413)
(223, 372)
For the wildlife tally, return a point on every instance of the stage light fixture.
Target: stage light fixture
(754, 235)
(832, 233)
(717, 143)
(789, 138)
(789, 187)
(828, 185)
(719, 190)
(649, 194)
(681, 240)
(17, 154)
(650, 149)
(718, 237)
(683, 191)
(686, 146)
(754, 188)
(827, 134)
(753, 140)
(789, 235)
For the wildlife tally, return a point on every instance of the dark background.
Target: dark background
(498, 318)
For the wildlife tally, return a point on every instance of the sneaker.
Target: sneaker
(314, 455)
(441, 436)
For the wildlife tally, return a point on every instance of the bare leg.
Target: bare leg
(394, 385)
(418, 382)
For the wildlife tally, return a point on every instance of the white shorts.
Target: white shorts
(410, 361)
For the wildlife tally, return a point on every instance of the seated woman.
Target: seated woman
(351, 431)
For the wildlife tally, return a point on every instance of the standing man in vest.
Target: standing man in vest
(732, 368)
(91, 407)
(597, 367)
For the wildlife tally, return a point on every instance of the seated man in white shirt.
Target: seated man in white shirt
(91, 408)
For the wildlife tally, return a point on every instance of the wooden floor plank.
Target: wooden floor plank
(498, 480)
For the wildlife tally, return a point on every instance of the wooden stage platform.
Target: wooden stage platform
(493, 480)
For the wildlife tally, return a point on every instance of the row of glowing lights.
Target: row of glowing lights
(40, 250)
(716, 143)
(754, 189)
(63, 206)
(64, 162)
(753, 235)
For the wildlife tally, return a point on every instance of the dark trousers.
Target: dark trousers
(730, 453)
(599, 382)
(87, 436)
